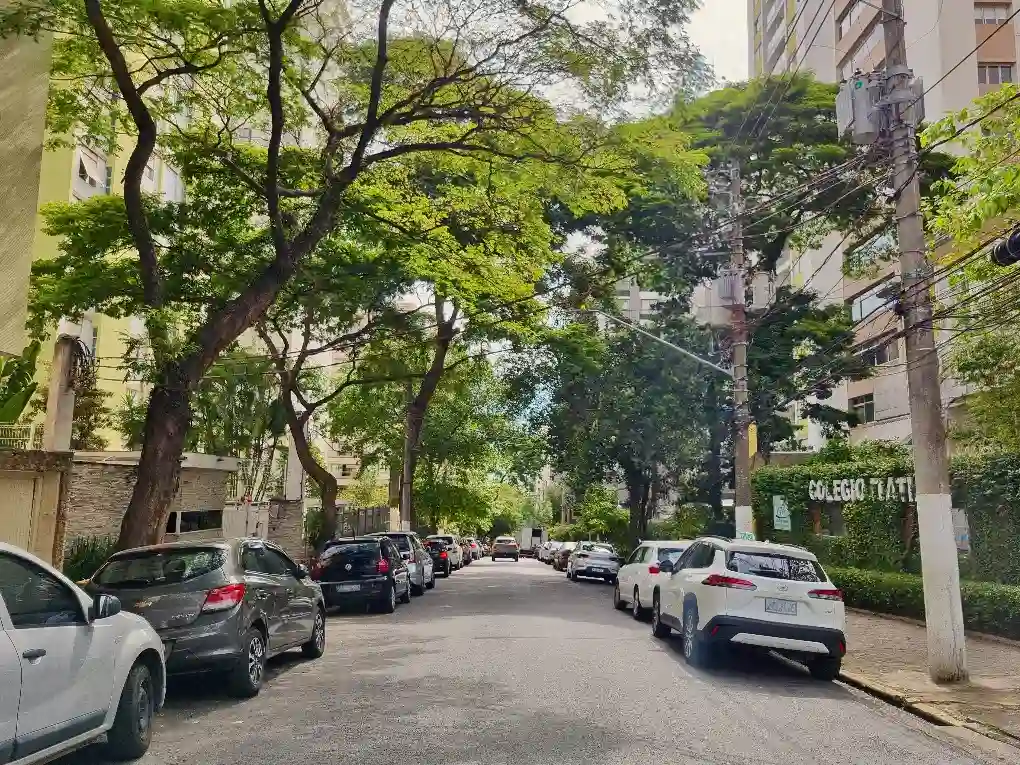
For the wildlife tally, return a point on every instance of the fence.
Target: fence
(21, 436)
(364, 520)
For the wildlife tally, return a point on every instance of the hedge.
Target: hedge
(987, 607)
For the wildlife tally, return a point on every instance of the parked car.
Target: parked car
(364, 571)
(640, 573)
(465, 550)
(562, 555)
(596, 560)
(453, 549)
(506, 547)
(440, 556)
(759, 594)
(548, 550)
(73, 668)
(474, 547)
(420, 568)
(225, 605)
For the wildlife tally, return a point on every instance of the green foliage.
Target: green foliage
(91, 416)
(84, 555)
(367, 490)
(315, 534)
(686, 522)
(987, 487)
(987, 607)
(17, 384)
(599, 516)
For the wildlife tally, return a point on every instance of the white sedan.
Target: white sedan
(72, 668)
(639, 575)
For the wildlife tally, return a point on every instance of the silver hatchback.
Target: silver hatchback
(596, 560)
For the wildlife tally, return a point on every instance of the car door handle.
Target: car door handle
(33, 653)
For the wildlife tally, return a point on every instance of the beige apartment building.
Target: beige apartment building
(833, 39)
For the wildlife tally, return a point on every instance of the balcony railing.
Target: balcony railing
(21, 436)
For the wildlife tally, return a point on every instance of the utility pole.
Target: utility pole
(743, 517)
(947, 658)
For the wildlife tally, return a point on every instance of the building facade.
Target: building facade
(846, 36)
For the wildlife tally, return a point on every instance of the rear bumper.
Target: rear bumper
(505, 553)
(335, 594)
(204, 648)
(792, 638)
(605, 573)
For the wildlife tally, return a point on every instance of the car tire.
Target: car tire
(659, 629)
(388, 602)
(316, 645)
(131, 733)
(431, 583)
(415, 589)
(697, 652)
(636, 609)
(406, 597)
(493, 558)
(826, 669)
(618, 603)
(610, 580)
(447, 571)
(516, 558)
(247, 676)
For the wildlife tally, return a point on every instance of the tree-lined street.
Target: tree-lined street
(512, 663)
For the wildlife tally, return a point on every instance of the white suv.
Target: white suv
(641, 572)
(757, 594)
(72, 668)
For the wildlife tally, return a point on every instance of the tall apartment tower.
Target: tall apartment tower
(939, 36)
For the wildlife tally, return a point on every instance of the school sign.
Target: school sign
(857, 489)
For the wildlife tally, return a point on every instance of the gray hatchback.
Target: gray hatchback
(219, 606)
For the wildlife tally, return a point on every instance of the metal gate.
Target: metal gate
(17, 508)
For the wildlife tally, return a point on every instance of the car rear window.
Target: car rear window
(671, 553)
(445, 540)
(401, 541)
(154, 568)
(775, 566)
(603, 549)
(505, 540)
(352, 551)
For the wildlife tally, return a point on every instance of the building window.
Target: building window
(171, 523)
(201, 520)
(863, 407)
(882, 351)
(991, 14)
(867, 304)
(850, 17)
(346, 471)
(995, 74)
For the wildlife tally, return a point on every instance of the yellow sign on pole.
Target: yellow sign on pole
(752, 440)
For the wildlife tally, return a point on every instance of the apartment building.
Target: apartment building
(636, 303)
(939, 35)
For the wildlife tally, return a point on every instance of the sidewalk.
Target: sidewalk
(889, 656)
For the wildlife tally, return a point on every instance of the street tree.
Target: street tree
(288, 104)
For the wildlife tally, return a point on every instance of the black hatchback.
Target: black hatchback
(364, 571)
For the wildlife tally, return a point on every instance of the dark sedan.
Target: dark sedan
(219, 606)
(363, 571)
(440, 557)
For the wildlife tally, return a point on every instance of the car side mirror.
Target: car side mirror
(666, 566)
(105, 606)
(301, 572)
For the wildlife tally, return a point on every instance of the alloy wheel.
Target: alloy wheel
(655, 615)
(688, 633)
(256, 659)
(144, 711)
(636, 605)
(393, 597)
(320, 631)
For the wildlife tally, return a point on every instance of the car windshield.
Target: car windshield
(352, 551)
(775, 566)
(671, 553)
(602, 549)
(154, 568)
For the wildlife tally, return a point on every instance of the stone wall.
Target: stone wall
(286, 527)
(99, 493)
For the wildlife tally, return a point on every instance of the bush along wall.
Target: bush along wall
(987, 606)
(879, 526)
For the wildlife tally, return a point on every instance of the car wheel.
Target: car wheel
(516, 558)
(316, 645)
(131, 733)
(417, 589)
(618, 602)
(493, 558)
(388, 604)
(826, 669)
(659, 629)
(636, 610)
(447, 571)
(406, 597)
(431, 583)
(246, 679)
(696, 652)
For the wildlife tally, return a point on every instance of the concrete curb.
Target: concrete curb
(928, 712)
(919, 623)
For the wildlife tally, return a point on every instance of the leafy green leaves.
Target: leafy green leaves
(17, 385)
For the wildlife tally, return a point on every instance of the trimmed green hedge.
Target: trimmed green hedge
(987, 607)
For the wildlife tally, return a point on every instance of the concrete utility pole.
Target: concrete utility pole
(743, 517)
(947, 659)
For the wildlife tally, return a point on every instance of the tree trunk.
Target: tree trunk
(159, 466)
(326, 481)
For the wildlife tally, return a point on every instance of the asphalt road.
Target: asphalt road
(513, 663)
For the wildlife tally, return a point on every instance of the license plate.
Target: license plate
(597, 569)
(347, 588)
(777, 606)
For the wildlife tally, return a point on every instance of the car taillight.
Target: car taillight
(443, 554)
(223, 598)
(653, 569)
(383, 566)
(826, 594)
(731, 582)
